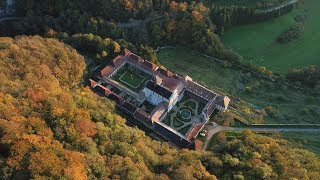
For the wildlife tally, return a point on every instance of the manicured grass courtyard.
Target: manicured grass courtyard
(183, 116)
(185, 129)
(257, 42)
(132, 79)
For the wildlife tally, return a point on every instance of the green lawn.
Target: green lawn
(184, 130)
(177, 123)
(257, 42)
(293, 106)
(132, 79)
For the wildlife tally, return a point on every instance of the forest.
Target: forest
(52, 126)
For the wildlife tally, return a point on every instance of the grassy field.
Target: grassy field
(257, 42)
(293, 106)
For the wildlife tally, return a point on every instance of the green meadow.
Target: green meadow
(257, 42)
(293, 106)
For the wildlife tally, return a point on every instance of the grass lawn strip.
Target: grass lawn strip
(177, 123)
(184, 130)
(167, 120)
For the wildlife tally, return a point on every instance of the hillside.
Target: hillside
(60, 60)
(262, 49)
(51, 126)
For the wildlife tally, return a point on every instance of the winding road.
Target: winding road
(10, 19)
(279, 6)
(213, 129)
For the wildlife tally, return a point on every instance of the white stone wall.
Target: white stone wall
(173, 100)
(153, 97)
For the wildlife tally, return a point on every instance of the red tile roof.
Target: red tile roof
(119, 100)
(106, 90)
(197, 144)
(200, 90)
(164, 72)
(142, 116)
(129, 107)
(170, 83)
(117, 61)
(194, 132)
(92, 83)
(158, 111)
(126, 52)
(223, 101)
(107, 71)
(150, 65)
(135, 57)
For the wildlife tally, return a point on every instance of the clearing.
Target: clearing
(257, 42)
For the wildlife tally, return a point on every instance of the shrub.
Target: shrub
(248, 90)
(265, 71)
(301, 18)
(282, 98)
(309, 76)
(294, 32)
(224, 119)
(305, 111)
(271, 111)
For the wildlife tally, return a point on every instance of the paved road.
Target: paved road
(10, 18)
(212, 130)
(279, 6)
(306, 130)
